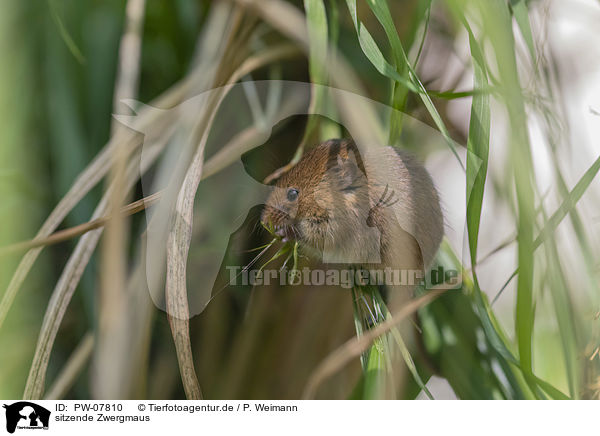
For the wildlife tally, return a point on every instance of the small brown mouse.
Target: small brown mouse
(378, 207)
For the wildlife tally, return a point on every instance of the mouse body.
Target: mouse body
(378, 208)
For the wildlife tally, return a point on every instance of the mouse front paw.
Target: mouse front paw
(387, 199)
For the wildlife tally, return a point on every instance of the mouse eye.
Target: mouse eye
(292, 194)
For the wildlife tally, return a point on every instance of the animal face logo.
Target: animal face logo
(26, 415)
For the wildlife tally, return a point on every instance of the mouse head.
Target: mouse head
(321, 198)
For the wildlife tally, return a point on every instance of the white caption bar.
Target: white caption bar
(296, 417)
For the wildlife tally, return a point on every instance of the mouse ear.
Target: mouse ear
(347, 170)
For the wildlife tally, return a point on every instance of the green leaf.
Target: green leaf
(403, 348)
(478, 147)
(316, 20)
(374, 375)
(521, 14)
(567, 206)
(554, 393)
(569, 203)
(498, 26)
(64, 33)
(564, 316)
(371, 50)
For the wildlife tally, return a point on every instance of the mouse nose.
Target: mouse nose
(273, 216)
(278, 222)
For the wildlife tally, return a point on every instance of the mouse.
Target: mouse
(374, 208)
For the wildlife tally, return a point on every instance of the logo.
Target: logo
(26, 415)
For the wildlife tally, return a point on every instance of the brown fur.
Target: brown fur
(345, 195)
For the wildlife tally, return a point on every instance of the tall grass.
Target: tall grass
(239, 345)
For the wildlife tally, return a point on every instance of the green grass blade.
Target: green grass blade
(64, 34)
(564, 317)
(383, 15)
(403, 348)
(374, 375)
(372, 52)
(554, 393)
(498, 26)
(316, 20)
(567, 206)
(569, 203)
(478, 145)
(425, 31)
(521, 14)
(400, 92)
(358, 323)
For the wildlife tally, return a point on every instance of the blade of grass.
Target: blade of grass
(458, 317)
(371, 50)
(181, 218)
(521, 14)
(356, 346)
(72, 369)
(478, 145)
(65, 287)
(154, 124)
(399, 92)
(424, 36)
(375, 372)
(403, 348)
(477, 162)
(79, 259)
(568, 205)
(180, 236)
(72, 232)
(66, 37)
(317, 27)
(499, 28)
(358, 324)
(89, 178)
(316, 39)
(148, 121)
(113, 338)
(564, 316)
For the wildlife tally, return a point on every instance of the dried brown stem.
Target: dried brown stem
(73, 232)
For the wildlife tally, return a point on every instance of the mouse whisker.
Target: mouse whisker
(259, 255)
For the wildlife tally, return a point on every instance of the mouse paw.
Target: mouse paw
(387, 199)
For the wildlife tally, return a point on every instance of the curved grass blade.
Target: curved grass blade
(410, 363)
(371, 50)
(568, 205)
(521, 14)
(478, 145)
(64, 34)
(498, 27)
